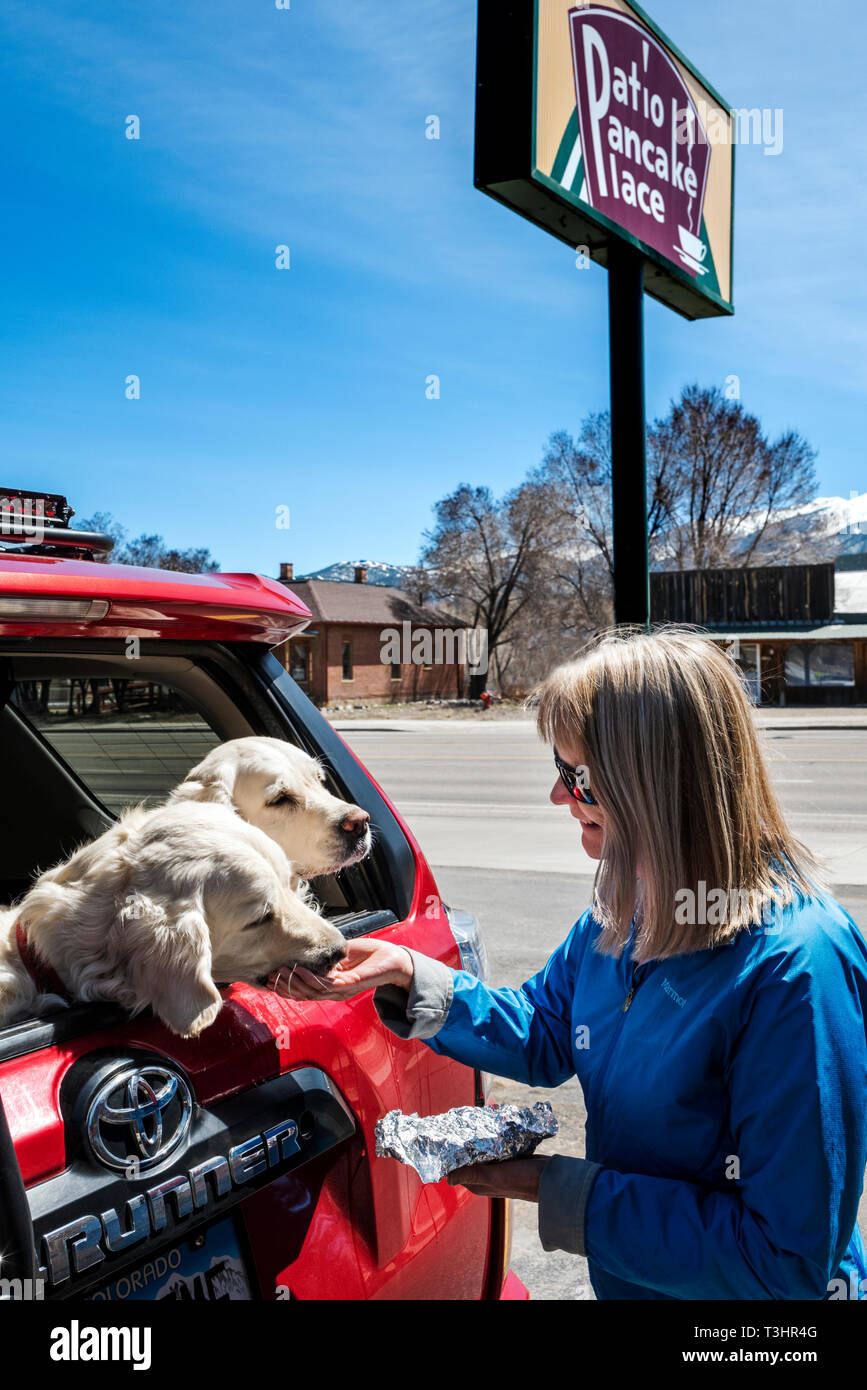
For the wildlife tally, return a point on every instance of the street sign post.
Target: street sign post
(592, 125)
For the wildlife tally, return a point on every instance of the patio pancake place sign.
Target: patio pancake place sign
(645, 149)
(593, 125)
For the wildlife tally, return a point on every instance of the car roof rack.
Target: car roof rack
(37, 523)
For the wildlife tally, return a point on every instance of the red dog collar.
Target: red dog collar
(40, 972)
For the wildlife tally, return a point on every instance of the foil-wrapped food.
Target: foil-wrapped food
(435, 1145)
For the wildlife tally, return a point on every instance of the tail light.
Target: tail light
(73, 610)
(471, 944)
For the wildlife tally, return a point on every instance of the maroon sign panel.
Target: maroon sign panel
(644, 148)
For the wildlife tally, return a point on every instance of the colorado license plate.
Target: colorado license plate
(206, 1268)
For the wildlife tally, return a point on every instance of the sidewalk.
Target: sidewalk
(813, 717)
(798, 720)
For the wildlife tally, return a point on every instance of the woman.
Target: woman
(712, 1001)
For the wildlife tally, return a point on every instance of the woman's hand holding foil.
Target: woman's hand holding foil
(515, 1177)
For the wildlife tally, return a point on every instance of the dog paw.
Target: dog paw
(203, 1020)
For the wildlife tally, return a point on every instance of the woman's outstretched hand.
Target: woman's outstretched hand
(366, 965)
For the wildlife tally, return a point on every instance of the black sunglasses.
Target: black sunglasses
(574, 780)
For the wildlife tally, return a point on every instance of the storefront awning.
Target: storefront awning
(844, 632)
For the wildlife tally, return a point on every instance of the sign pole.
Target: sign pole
(628, 448)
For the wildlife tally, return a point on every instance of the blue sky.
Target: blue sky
(306, 387)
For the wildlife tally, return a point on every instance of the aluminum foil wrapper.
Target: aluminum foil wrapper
(435, 1145)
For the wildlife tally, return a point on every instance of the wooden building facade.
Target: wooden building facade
(797, 631)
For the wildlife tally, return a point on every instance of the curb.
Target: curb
(809, 728)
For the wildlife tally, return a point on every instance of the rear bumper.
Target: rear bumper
(513, 1288)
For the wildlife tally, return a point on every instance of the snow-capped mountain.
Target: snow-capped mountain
(846, 520)
(834, 525)
(378, 572)
(827, 528)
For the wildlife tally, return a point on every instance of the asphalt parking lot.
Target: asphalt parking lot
(475, 795)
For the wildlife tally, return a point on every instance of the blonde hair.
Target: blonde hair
(673, 759)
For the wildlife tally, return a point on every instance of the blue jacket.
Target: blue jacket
(726, 1095)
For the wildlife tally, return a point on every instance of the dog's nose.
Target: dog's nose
(327, 958)
(356, 823)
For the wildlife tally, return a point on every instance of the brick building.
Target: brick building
(339, 656)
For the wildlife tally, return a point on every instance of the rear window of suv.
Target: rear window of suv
(128, 741)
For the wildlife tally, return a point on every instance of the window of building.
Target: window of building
(299, 661)
(395, 671)
(796, 666)
(821, 663)
(347, 661)
(832, 663)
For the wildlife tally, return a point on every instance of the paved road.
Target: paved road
(475, 795)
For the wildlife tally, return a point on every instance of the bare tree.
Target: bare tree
(483, 556)
(150, 551)
(725, 484)
(417, 582)
(576, 475)
(719, 493)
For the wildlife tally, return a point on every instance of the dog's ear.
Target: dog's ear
(167, 949)
(209, 783)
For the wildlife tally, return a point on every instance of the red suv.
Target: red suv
(262, 1181)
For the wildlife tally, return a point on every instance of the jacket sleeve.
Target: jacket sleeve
(524, 1034)
(778, 1224)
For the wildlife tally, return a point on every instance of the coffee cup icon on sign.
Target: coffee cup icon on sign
(692, 250)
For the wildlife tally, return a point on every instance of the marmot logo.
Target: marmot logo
(672, 993)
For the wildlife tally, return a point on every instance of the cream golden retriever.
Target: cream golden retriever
(279, 788)
(158, 910)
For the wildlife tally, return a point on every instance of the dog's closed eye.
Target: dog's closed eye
(263, 921)
(283, 799)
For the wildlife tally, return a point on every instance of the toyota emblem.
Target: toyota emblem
(139, 1118)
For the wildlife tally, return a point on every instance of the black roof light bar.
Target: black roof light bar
(37, 523)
